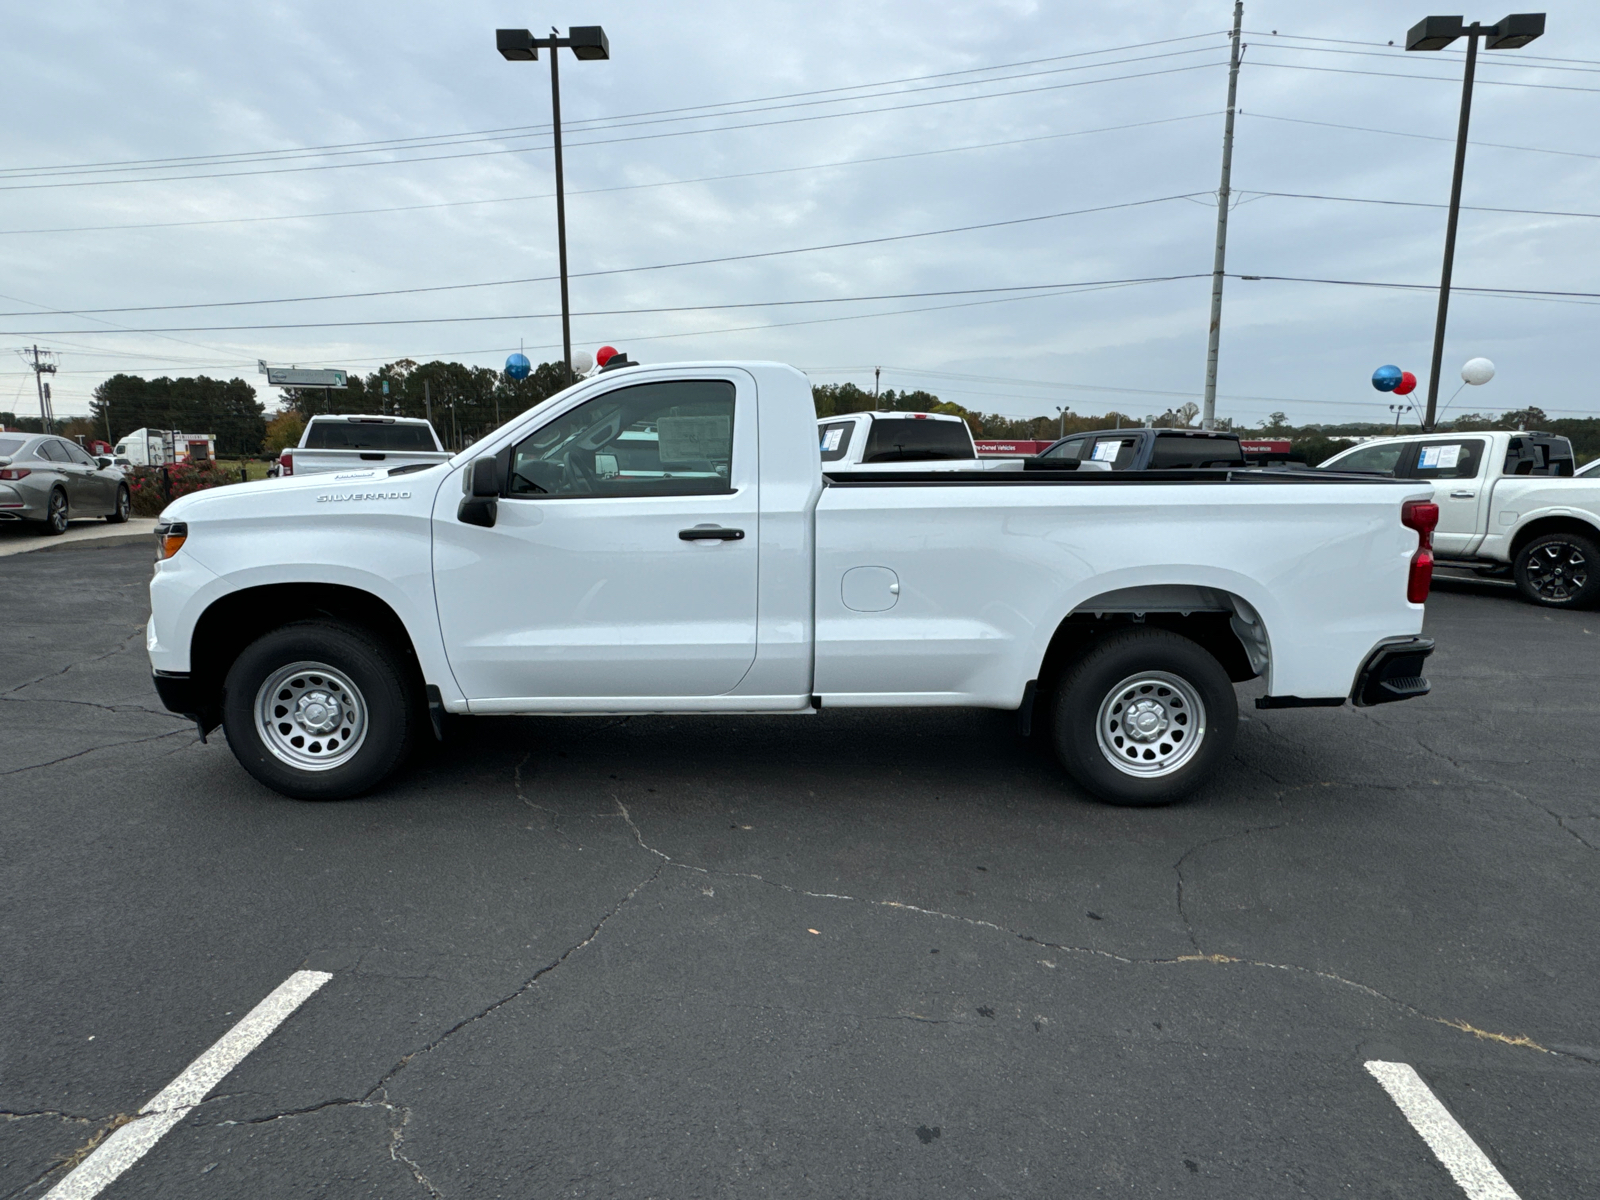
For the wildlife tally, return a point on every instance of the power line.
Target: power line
(1509, 293)
(1514, 61)
(453, 287)
(1532, 212)
(620, 312)
(1427, 137)
(1544, 87)
(849, 162)
(613, 141)
(1455, 54)
(518, 130)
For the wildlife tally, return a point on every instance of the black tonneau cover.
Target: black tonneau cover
(1038, 478)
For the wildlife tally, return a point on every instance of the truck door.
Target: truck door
(592, 582)
(1456, 470)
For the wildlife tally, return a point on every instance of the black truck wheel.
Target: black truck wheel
(319, 710)
(1144, 717)
(1559, 570)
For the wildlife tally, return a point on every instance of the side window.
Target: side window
(1372, 460)
(655, 439)
(1118, 452)
(79, 455)
(836, 439)
(52, 450)
(1447, 460)
(1067, 451)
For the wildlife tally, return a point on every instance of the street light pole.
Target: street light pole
(585, 42)
(1435, 33)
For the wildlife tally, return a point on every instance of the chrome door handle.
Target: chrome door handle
(1462, 495)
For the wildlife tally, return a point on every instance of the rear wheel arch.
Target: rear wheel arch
(235, 621)
(1542, 525)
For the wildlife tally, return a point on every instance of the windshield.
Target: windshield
(363, 435)
(906, 439)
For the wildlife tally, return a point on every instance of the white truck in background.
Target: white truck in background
(668, 540)
(1510, 506)
(164, 448)
(903, 441)
(362, 441)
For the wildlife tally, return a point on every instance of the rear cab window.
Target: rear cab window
(1175, 452)
(366, 435)
(1444, 460)
(906, 439)
(835, 437)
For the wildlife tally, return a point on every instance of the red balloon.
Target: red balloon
(606, 353)
(1407, 384)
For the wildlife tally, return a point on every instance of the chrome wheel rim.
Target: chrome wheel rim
(124, 503)
(58, 511)
(311, 716)
(1558, 572)
(1151, 724)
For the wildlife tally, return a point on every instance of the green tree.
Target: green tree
(199, 404)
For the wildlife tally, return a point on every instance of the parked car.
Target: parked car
(895, 441)
(632, 545)
(355, 443)
(1510, 505)
(1141, 450)
(52, 480)
(1589, 468)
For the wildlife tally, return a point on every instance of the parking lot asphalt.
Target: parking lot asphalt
(856, 953)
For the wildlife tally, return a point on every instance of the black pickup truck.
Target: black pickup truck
(1140, 450)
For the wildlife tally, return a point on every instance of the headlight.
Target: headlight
(170, 536)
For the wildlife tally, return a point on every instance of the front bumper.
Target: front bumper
(180, 695)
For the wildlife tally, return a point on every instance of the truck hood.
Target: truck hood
(239, 498)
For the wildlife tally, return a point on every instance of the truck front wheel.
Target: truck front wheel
(1144, 717)
(319, 710)
(1559, 570)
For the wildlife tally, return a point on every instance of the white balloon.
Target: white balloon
(582, 362)
(1477, 370)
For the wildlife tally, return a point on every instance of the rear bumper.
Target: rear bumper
(1392, 672)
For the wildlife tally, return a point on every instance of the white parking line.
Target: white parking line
(129, 1144)
(1449, 1142)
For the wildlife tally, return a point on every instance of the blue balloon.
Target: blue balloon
(1386, 379)
(518, 367)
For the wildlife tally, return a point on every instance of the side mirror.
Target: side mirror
(481, 504)
(104, 462)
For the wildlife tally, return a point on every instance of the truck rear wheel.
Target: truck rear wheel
(319, 710)
(1144, 717)
(1559, 570)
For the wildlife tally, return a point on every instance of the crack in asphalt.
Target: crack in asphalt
(1177, 867)
(111, 708)
(1520, 1041)
(120, 648)
(93, 750)
(76, 1119)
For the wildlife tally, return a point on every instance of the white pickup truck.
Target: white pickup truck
(358, 442)
(903, 441)
(665, 540)
(1509, 505)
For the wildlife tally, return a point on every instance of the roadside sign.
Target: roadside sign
(304, 377)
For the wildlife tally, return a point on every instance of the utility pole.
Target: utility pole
(41, 367)
(427, 401)
(1219, 262)
(876, 372)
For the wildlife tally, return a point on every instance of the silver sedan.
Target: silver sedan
(52, 480)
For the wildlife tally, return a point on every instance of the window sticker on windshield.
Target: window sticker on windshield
(1106, 451)
(1443, 457)
(830, 439)
(694, 439)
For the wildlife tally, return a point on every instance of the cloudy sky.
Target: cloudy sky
(346, 184)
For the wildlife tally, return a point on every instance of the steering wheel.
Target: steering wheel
(580, 473)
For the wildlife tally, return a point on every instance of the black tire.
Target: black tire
(119, 514)
(383, 689)
(1145, 672)
(55, 514)
(1559, 570)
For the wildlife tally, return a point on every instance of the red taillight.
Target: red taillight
(1423, 516)
(286, 466)
(15, 473)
